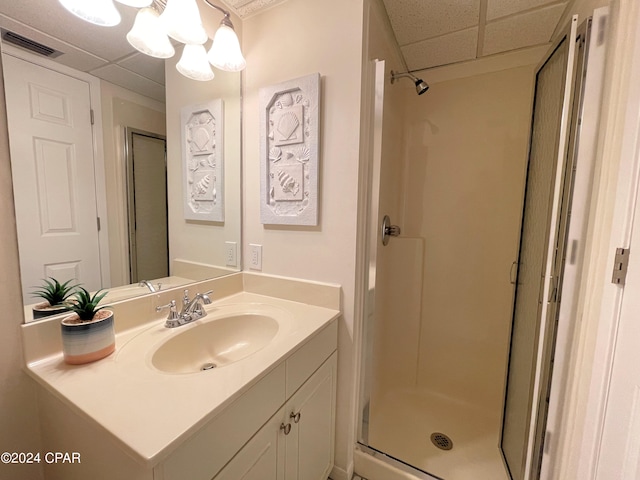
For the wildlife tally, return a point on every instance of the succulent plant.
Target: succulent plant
(54, 292)
(85, 305)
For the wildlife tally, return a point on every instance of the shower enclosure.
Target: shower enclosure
(459, 330)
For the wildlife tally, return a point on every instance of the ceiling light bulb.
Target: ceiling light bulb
(136, 3)
(148, 36)
(98, 12)
(225, 52)
(193, 63)
(183, 23)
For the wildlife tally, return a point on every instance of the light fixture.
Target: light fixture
(180, 20)
(147, 35)
(99, 12)
(225, 52)
(193, 63)
(136, 3)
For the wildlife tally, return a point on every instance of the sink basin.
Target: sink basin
(215, 343)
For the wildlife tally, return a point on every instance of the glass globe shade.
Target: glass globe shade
(148, 36)
(225, 52)
(183, 23)
(136, 3)
(99, 12)
(193, 63)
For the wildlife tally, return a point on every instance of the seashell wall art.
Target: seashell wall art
(203, 161)
(289, 139)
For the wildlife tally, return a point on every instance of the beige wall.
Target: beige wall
(468, 143)
(298, 38)
(122, 108)
(202, 242)
(19, 427)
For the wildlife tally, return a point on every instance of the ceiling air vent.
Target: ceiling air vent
(28, 44)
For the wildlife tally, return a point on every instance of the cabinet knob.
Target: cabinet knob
(286, 428)
(295, 417)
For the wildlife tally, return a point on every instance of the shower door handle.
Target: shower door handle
(388, 230)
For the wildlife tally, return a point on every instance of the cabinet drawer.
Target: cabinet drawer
(306, 360)
(207, 451)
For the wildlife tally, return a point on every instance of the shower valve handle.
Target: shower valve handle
(388, 230)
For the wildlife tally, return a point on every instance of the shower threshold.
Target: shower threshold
(395, 463)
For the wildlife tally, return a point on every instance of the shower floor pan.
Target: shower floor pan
(403, 422)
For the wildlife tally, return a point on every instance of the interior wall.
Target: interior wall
(19, 426)
(466, 159)
(291, 40)
(122, 108)
(197, 241)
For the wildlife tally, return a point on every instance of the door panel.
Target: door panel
(53, 175)
(545, 216)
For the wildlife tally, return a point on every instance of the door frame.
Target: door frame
(616, 185)
(98, 145)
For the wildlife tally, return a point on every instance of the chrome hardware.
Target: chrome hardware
(146, 283)
(620, 266)
(173, 317)
(295, 417)
(388, 230)
(192, 309)
(286, 428)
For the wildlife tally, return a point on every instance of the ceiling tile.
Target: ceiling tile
(455, 47)
(132, 81)
(527, 29)
(416, 20)
(54, 19)
(502, 8)
(149, 67)
(72, 56)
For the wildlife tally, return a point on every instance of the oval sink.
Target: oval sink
(215, 343)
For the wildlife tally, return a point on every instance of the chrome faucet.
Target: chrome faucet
(192, 309)
(146, 283)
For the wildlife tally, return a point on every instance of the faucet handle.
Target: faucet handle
(173, 313)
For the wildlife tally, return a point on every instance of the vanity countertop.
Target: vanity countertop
(149, 413)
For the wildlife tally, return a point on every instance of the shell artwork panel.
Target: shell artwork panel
(203, 161)
(289, 151)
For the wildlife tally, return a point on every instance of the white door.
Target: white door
(620, 445)
(52, 164)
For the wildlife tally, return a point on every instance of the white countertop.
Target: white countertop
(148, 412)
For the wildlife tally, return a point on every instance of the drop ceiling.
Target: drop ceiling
(432, 33)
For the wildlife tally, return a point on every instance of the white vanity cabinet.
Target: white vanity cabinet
(297, 442)
(282, 428)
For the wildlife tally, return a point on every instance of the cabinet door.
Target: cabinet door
(262, 458)
(311, 411)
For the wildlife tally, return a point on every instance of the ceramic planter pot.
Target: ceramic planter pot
(43, 309)
(85, 342)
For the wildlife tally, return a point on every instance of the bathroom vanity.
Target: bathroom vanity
(155, 410)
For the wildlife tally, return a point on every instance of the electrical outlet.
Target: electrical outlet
(231, 254)
(255, 256)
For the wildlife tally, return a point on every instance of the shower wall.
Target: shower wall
(443, 288)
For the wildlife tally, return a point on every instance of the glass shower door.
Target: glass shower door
(542, 250)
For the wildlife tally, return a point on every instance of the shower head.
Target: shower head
(421, 85)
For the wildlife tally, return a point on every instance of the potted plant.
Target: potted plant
(88, 334)
(55, 297)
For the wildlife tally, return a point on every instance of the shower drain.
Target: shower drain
(441, 441)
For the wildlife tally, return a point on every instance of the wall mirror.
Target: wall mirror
(90, 119)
